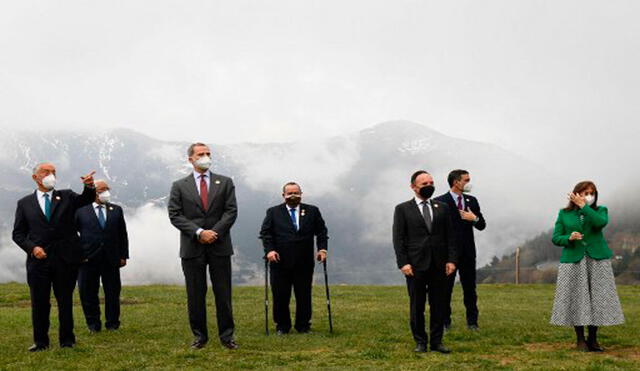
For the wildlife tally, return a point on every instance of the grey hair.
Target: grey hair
(37, 167)
(194, 145)
(101, 181)
(291, 184)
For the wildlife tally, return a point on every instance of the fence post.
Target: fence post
(517, 265)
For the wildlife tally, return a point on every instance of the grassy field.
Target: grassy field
(371, 333)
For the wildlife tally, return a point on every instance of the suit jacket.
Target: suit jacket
(592, 244)
(463, 229)
(294, 247)
(58, 237)
(187, 214)
(112, 240)
(415, 245)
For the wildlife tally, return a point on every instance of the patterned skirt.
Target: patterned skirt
(586, 295)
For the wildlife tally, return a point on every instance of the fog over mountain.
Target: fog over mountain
(355, 179)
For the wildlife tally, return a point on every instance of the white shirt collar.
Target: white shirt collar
(455, 195)
(95, 205)
(419, 201)
(41, 194)
(207, 174)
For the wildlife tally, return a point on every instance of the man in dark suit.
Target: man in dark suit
(288, 233)
(203, 207)
(426, 253)
(44, 228)
(466, 216)
(103, 237)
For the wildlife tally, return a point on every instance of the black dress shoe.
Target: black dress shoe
(281, 332)
(38, 347)
(304, 330)
(594, 346)
(473, 327)
(420, 348)
(67, 345)
(198, 344)
(230, 345)
(440, 348)
(582, 346)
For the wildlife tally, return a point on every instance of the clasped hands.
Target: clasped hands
(407, 269)
(208, 237)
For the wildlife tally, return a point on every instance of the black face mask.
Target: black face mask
(293, 200)
(427, 191)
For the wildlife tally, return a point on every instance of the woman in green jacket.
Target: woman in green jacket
(586, 290)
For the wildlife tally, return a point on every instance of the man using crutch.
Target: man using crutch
(288, 233)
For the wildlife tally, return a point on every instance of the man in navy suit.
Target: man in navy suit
(45, 229)
(288, 233)
(103, 237)
(466, 217)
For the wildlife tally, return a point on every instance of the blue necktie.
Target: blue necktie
(47, 207)
(101, 219)
(293, 218)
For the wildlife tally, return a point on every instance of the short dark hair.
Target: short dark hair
(417, 174)
(291, 184)
(194, 145)
(456, 175)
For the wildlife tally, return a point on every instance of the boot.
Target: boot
(581, 344)
(592, 340)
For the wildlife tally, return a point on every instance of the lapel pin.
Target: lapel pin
(111, 208)
(217, 181)
(302, 212)
(466, 199)
(58, 198)
(435, 205)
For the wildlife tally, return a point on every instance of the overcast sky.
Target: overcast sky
(553, 80)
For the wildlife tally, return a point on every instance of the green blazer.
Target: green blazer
(592, 244)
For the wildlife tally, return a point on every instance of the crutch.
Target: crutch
(326, 286)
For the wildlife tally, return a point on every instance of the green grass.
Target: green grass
(371, 333)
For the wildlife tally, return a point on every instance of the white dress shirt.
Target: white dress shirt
(104, 210)
(41, 199)
(297, 208)
(207, 178)
(419, 202)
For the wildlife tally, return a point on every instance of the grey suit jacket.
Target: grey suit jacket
(187, 214)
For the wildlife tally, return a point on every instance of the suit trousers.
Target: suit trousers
(432, 281)
(467, 271)
(299, 277)
(89, 277)
(42, 275)
(195, 274)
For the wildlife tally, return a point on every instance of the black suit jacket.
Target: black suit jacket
(415, 245)
(294, 247)
(464, 229)
(112, 240)
(58, 237)
(187, 214)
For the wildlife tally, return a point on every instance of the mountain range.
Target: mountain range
(356, 179)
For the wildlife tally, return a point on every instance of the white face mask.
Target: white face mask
(590, 199)
(203, 163)
(104, 197)
(49, 182)
(467, 188)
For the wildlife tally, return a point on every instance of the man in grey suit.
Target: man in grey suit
(203, 207)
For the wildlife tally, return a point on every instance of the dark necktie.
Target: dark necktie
(101, 219)
(203, 192)
(293, 218)
(460, 207)
(426, 214)
(47, 207)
